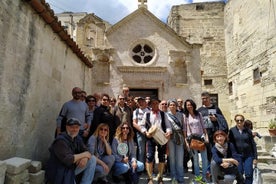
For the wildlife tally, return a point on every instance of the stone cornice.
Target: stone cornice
(142, 69)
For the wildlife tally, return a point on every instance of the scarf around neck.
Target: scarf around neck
(222, 149)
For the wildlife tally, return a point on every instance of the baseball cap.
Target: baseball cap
(73, 121)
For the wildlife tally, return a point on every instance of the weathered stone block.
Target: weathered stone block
(35, 167)
(3, 168)
(37, 178)
(17, 165)
(18, 178)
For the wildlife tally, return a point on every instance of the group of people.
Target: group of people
(97, 136)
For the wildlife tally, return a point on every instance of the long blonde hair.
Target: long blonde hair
(100, 126)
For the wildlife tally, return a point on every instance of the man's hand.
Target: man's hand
(82, 163)
(168, 135)
(212, 117)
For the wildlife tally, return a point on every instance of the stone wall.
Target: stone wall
(37, 74)
(203, 23)
(250, 36)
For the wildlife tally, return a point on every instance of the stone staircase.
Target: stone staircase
(266, 162)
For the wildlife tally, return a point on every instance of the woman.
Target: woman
(224, 161)
(98, 145)
(193, 125)
(125, 155)
(176, 143)
(248, 124)
(91, 103)
(245, 145)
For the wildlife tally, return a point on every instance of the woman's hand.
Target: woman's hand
(125, 160)
(134, 164)
(105, 167)
(255, 161)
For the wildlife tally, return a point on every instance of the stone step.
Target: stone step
(263, 153)
(259, 147)
(268, 177)
(267, 159)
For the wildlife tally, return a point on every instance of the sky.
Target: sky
(113, 11)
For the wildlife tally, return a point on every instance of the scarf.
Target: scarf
(222, 149)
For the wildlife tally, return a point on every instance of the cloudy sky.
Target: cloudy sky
(114, 10)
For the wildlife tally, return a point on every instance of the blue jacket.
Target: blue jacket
(243, 142)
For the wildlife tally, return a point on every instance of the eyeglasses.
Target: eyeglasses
(126, 128)
(239, 120)
(105, 99)
(104, 129)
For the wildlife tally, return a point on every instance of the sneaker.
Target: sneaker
(174, 181)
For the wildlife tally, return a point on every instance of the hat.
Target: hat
(140, 98)
(73, 121)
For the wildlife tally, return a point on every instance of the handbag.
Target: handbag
(197, 145)
(196, 142)
(178, 137)
(256, 176)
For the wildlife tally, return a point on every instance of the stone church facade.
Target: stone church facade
(193, 52)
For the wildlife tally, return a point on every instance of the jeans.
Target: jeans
(216, 171)
(141, 141)
(246, 166)
(88, 171)
(176, 161)
(109, 161)
(204, 162)
(120, 168)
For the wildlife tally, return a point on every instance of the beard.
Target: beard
(72, 134)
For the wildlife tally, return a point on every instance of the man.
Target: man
(138, 115)
(163, 106)
(75, 108)
(213, 120)
(83, 95)
(180, 107)
(125, 92)
(102, 114)
(122, 113)
(159, 119)
(69, 157)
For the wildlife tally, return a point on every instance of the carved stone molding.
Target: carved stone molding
(141, 69)
(102, 55)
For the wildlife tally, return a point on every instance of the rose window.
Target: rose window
(142, 53)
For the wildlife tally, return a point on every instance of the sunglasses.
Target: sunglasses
(125, 128)
(104, 129)
(239, 120)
